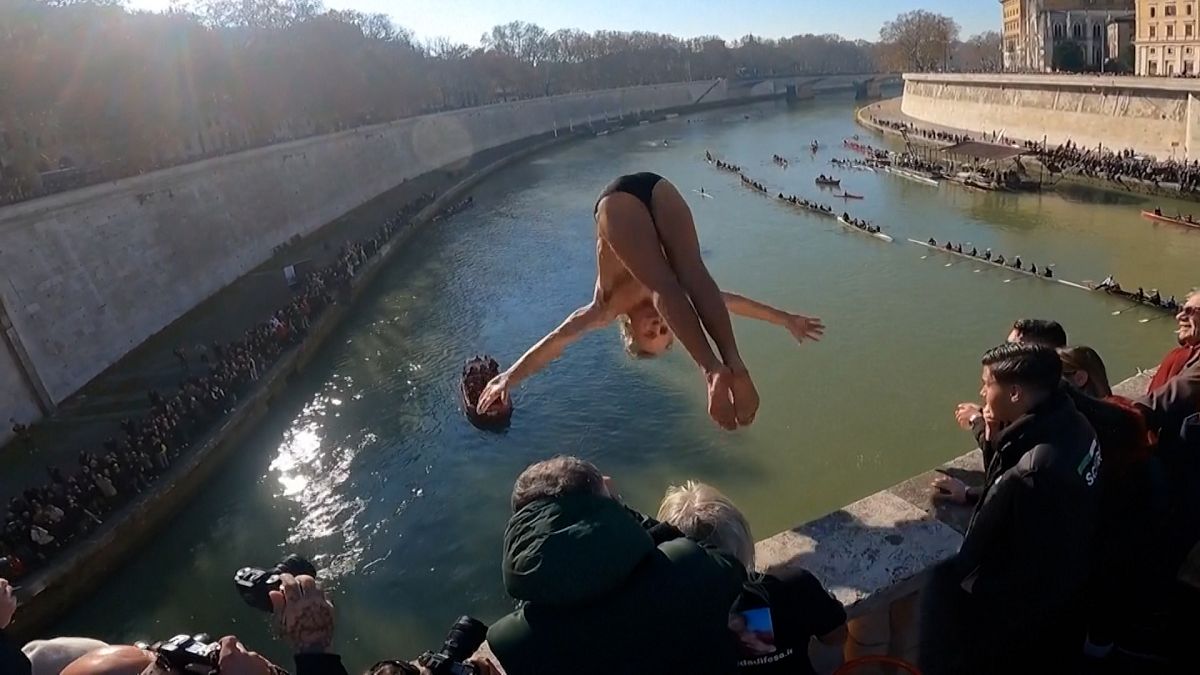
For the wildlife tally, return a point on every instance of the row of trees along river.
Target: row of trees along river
(91, 91)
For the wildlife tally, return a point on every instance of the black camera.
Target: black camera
(255, 585)
(461, 642)
(191, 654)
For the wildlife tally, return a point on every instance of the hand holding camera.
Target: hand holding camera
(304, 614)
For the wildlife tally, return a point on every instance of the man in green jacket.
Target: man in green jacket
(606, 590)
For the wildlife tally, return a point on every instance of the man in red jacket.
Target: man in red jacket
(1174, 391)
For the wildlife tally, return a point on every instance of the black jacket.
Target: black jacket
(319, 664)
(12, 660)
(1029, 545)
(605, 591)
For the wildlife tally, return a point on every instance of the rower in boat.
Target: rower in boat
(1157, 211)
(1033, 268)
(1156, 298)
(1049, 273)
(1109, 282)
(987, 255)
(949, 246)
(974, 252)
(1171, 303)
(1017, 263)
(1000, 259)
(1140, 296)
(958, 248)
(932, 241)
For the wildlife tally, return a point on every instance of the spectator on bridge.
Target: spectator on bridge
(1038, 331)
(598, 595)
(1012, 598)
(793, 607)
(1173, 397)
(1084, 369)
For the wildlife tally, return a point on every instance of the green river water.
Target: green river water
(369, 467)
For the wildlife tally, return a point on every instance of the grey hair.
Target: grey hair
(555, 477)
(705, 515)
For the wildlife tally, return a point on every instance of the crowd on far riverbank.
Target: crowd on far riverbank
(1124, 168)
(74, 500)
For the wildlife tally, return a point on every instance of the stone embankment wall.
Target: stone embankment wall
(1155, 116)
(87, 275)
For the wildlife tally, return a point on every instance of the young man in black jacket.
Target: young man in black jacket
(1012, 594)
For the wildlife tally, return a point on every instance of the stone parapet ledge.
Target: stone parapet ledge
(1088, 82)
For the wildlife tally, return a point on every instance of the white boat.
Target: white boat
(1003, 266)
(850, 226)
(911, 175)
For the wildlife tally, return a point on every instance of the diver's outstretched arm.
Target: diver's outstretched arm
(800, 326)
(589, 317)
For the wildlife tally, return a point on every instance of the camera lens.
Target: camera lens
(464, 638)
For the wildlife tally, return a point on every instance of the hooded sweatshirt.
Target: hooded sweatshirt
(598, 596)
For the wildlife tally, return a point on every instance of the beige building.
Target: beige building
(1168, 42)
(1034, 28)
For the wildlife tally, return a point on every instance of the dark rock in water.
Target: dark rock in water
(477, 372)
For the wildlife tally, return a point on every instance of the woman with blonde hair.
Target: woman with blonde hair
(774, 618)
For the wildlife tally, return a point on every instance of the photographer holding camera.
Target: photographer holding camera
(11, 658)
(305, 618)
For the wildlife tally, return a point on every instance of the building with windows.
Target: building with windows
(1048, 35)
(1120, 37)
(1168, 39)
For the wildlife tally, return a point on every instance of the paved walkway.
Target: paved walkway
(92, 414)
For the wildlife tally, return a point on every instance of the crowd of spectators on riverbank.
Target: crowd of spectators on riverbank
(75, 500)
(1126, 168)
(1119, 166)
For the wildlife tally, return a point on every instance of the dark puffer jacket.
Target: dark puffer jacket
(599, 596)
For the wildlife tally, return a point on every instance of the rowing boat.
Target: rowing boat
(1007, 268)
(828, 183)
(847, 195)
(1168, 219)
(911, 175)
(851, 226)
(819, 212)
(1133, 297)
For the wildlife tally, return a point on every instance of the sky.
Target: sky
(466, 20)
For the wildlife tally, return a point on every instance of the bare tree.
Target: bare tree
(980, 53)
(918, 41)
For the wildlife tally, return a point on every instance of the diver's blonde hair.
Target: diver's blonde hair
(705, 515)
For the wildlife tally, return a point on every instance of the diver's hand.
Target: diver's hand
(720, 398)
(745, 397)
(805, 327)
(495, 392)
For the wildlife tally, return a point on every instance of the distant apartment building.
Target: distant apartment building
(1167, 39)
(1034, 29)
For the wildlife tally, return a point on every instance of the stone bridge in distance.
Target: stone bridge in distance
(799, 87)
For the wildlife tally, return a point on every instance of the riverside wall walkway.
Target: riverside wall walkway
(49, 592)
(890, 110)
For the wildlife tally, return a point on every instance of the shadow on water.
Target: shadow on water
(1086, 194)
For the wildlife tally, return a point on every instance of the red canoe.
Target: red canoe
(1168, 219)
